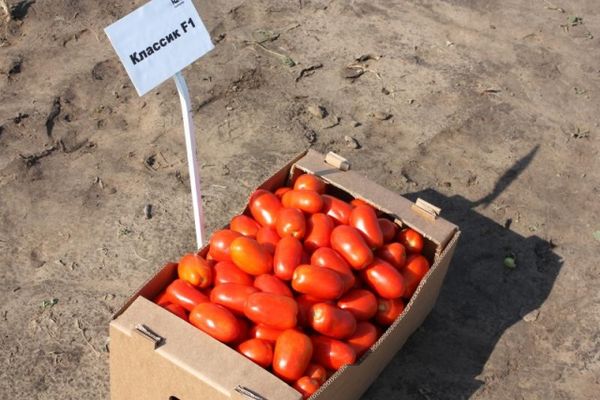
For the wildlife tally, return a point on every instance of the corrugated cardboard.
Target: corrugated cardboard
(174, 360)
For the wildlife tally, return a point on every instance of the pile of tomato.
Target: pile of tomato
(303, 285)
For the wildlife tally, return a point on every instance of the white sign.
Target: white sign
(158, 40)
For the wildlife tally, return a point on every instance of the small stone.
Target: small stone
(148, 211)
(510, 262)
(310, 136)
(317, 110)
(530, 316)
(229, 108)
(351, 142)
(380, 115)
(411, 101)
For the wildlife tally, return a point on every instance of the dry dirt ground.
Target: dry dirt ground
(493, 115)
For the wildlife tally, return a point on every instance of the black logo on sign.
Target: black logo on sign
(177, 3)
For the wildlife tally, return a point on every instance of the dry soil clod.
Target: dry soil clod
(351, 142)
(317, 110)
(380, 115)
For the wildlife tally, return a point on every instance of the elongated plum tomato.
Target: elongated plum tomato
(318, 231)
(268, 238)
(309, 182)
(411, 240)
(306, 386)
(364, 219)
(416, 268)
(358, 202)
(264, 207)
(364, 337)
(349, 243)
(317, 372)
(250, 256)
(329, 320)
(384, 279)
(337, 209)
(162, 299)
(195, 270)
(177, 310)
(271, 284)
(220, 243)
(215, 320)
(360, 302)
(305, 303)
(394, 253)
(228, 272)
(265, 332)
(281, 191)
(328, 258)
(257, 350)
(293, 351)
(232, 296)
(388, 310)
(276, 311)
(308, 201)
(244, 225)
(318, 282)
(332, 353)
(291, 222)
(183, 293)
(244, 332)
(288, 255)
(388, 228)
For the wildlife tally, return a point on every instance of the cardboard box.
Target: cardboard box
(154, 355)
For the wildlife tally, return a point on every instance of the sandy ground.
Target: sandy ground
(493, 116)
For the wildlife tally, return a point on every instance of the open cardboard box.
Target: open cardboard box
(155, 355)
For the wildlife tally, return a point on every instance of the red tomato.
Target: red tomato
(268, 238)
(321, 283)
(274, 310)
(337, 209)
(305, 303)
(332, 321)
(232, 295)
(228, 272)
(257, 350)
(317, 372)
(349, 242)
(364, 337)
(265, 332)
(416, 268)
(195, 270)
(412, 240)
(271, 284)
(215, 320)
(364, 219)
(183, 293)
(281, 191)
(388, 310)
(388, 228)
(220, 243)
(361, 303)
(243, 335)
(306, 386)
(331, 353)
(384, 279)
(318, 231)
(291, 222)
(288, 255)
(177, 310)
(264, 207)
(244, 225)
(394, 253)
(162, 299)
(308, 201)
(309, 182)
(328, 258)
(359, 202)
(293, 351)
(250, 256)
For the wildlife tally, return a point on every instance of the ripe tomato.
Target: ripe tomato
(162, 299)
(271, 284)
(364, 337)
(363, 218)
(308, 201)
(244, 225)
(318, 282)
(331, 353)
(177, 310)
(309, 182)
(359, 202)
(233, 296)
(416, 268)
(328, 258)
(220, 243)
(281, 191)
(412, 240)
(264, 207)
(257, 350)
(215, 320)
(274, 310)
(306, 386)
(265, 332)
(183, 293)
(305, 303)
(268, 238)
(337, 209)
(318, 231)
(329, 320)
(291, 222)
(384, 279)
(293, 351)
(228, 272)
(317, 372)
(349, 242)
(361, 303)
(394, 253)
(243, 335)
(250, 256)
(388, 228)
(388, 310)
(288, 255)
(195, 270)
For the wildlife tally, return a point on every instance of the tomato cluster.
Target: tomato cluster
(302, 285)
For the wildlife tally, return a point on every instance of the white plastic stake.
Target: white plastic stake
(190, 144)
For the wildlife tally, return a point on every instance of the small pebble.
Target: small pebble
(148, 211)
(351, 142)
(380, 115)
(317, 110)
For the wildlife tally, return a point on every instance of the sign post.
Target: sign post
(155, 42)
